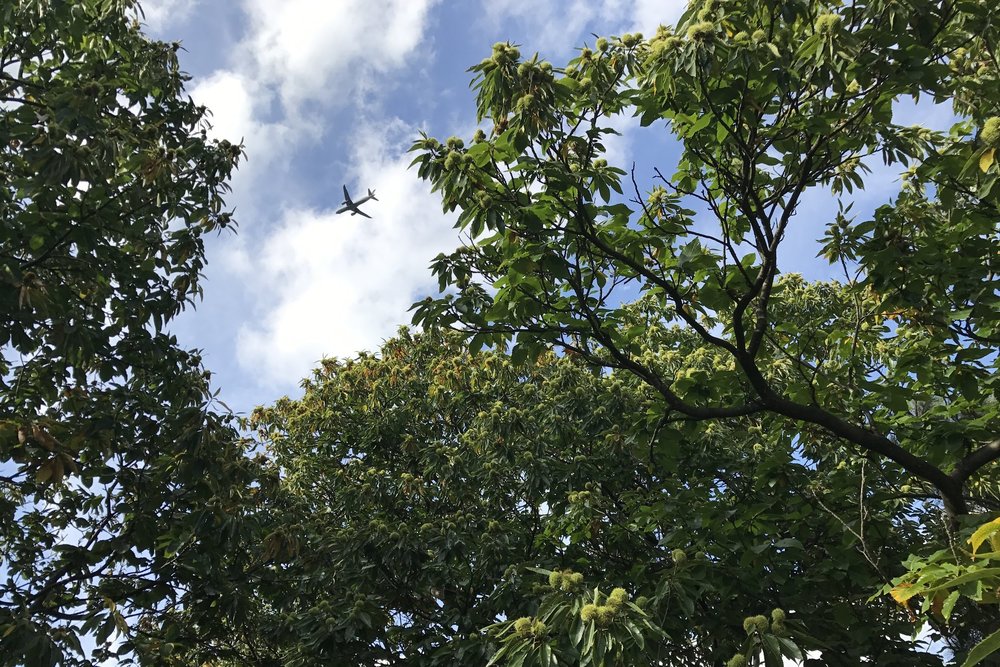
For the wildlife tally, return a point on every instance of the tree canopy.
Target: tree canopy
(426, 494)
(770, 103)
(121, 484)
(626, 434)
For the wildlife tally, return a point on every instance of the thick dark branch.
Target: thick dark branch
(976, 460)
(949, 486)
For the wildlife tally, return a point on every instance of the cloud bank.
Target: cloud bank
(337, 284)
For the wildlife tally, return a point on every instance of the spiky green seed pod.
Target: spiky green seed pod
(555, 579)
(525, 101)
(455, 143)
(631, 40)
(991, 132)
(737, 660)
(602, 44)
(742, 37)
(753, 624)
(545, 66)
(758, 35)
(778, 615)
(479, 136)
(827, 24)
(505, 53)
(588, 613)
(576, 578)
(522, 626)
(600, 163)
(702, 31)
(605, 615)
(705, 14)
(617, 598)
(679, 556)
(586, 54)
(672, 43)
(777, 628)
(453, 160)
(539, 628)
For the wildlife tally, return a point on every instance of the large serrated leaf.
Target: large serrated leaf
(983, 533)
(983, 650)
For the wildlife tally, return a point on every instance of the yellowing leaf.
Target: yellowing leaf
(986, 159)
(902, 592)
(984, 532)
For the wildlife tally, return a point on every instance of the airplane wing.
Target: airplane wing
(343, 209)
(360, 212)
(347, 197)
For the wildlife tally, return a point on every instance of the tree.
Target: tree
(426, 494)
(770, 102)
(122, 485)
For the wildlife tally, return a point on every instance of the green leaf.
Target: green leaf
(983, 533)
(983, 650)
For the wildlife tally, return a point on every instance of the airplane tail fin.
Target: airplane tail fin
(371, 193)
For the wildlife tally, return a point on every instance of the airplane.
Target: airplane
(352, 206)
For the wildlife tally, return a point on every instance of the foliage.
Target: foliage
(121, 485)
(602, 629)
(770, 103)
(943, 578)
(423, 494)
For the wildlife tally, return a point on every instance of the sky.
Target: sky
(324, 93)
(330, 92)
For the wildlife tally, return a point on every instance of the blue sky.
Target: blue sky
(326, 92)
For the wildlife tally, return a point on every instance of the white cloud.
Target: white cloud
(159, 14)
(559, 27)
(238, 104)
(618, 147)
(324, 51)
(331, 285)
(647, 15)
(231, 99)
(297, 65)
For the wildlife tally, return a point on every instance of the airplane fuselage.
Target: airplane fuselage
(352, 206)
